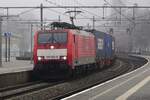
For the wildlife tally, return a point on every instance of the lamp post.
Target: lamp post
(31, 43)
(0, 41)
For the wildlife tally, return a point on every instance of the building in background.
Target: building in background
(19, 39)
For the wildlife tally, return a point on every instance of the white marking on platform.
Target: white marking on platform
(118, 85)
(134, 89)
(108, 82)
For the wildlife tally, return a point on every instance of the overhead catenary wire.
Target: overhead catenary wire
(120, 13)
(64, 14)
(58, 5)
(59, 12)
(26, 11)
(137, 17)
(78, 7)
(54, 3)
(65, 7)
(93, 14)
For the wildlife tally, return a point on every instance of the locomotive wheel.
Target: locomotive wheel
(102, 64)
(84, 69)
(96, 66)
(36, 72)
(70, 73)
(76, 71)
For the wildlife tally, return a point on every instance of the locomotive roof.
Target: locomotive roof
(96, 31)
(79, 32)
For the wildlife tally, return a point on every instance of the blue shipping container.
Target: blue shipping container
(108, 46)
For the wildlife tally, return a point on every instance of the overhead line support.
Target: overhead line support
(19, 7)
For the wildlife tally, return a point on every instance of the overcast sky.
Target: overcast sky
(85, 2)
(54, 13)
(37, 2)
(66, 2)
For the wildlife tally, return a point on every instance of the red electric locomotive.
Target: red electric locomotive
(63, 50)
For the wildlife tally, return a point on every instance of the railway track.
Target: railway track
(6, 93)
(111, 74)
(128, 67)
(58, 90)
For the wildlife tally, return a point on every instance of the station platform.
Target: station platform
(15, 66)
(134, 85)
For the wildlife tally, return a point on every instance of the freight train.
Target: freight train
(66, 50)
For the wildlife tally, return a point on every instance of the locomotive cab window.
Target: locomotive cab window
(52, 38)
(45, 38)
(59, 37)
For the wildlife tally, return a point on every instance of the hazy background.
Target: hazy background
(137, 40)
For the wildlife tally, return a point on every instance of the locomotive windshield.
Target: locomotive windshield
(52, 38)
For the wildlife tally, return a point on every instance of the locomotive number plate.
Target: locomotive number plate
(52, 57)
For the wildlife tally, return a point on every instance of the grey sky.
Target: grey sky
(89, 2)
(121, 39)
(37, 2)
(66, 2)
(50, 14)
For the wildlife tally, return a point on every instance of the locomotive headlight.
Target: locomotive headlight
(64, 58)
(52, 47)
(39, 58)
